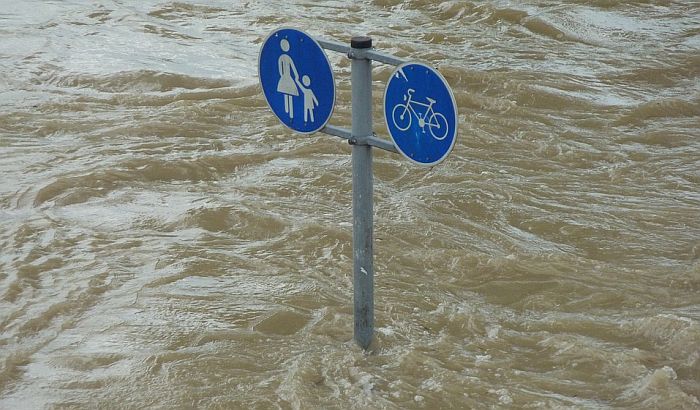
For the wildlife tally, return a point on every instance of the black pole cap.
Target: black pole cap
(361, 42)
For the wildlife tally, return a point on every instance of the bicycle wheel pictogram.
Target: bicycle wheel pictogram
(401, 117)
(438, 126)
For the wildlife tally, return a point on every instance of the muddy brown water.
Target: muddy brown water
(166, 243)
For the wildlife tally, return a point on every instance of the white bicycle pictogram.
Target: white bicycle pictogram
(402, 116)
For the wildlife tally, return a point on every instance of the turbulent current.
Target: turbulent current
(166, 243)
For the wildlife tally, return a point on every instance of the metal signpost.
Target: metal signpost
(421, 116)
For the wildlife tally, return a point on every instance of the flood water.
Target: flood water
(165, 242)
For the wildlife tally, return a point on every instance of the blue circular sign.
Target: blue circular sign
(297, 80)
(420, 113)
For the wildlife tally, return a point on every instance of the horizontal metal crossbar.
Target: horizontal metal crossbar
(368, 140)
(367, 53)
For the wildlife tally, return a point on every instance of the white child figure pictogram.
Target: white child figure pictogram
(310, 101)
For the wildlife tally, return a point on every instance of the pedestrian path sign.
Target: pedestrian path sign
(420, 113)
(297, 80)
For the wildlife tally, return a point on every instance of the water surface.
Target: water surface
(165, 242)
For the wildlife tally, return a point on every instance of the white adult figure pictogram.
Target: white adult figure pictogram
(287, 85)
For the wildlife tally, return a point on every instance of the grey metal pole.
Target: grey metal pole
(362, 209)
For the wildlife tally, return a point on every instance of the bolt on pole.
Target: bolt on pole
(362, 208)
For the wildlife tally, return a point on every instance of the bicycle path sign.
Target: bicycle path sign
(420, 113)
(297, 80)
